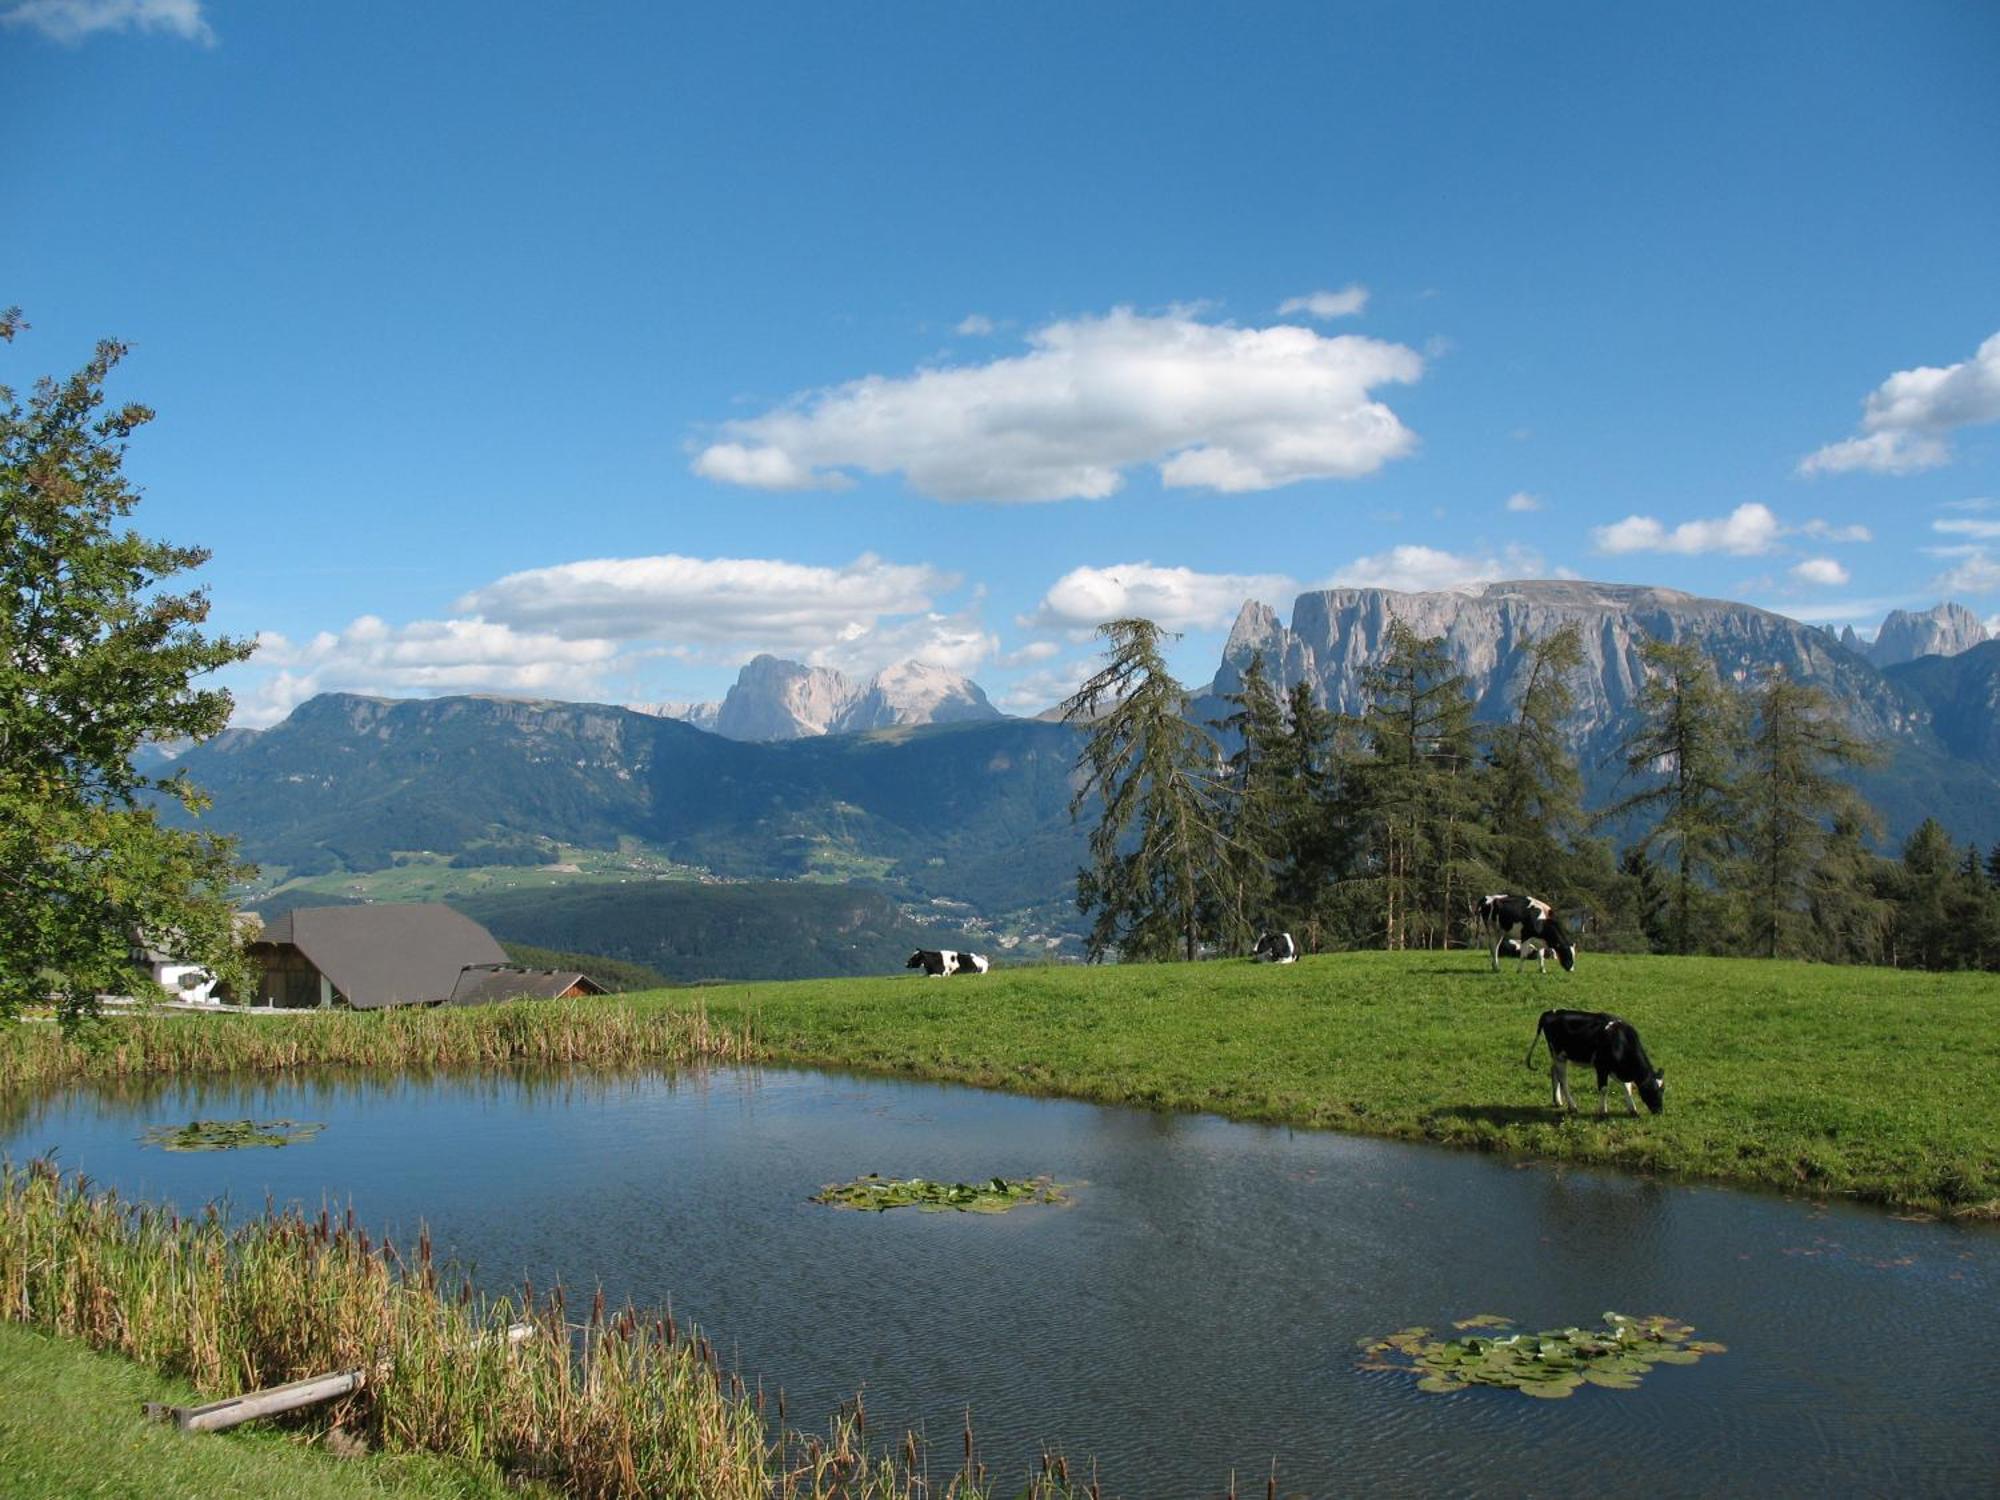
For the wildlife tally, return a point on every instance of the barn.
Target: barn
(392, 953)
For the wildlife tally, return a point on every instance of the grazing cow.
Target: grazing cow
(1275, 948)
(1538, 923)
(942, 963)
(1605, 1043)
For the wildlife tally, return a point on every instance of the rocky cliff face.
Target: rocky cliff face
(1336, 634)
(774, 699)
(1942, 630)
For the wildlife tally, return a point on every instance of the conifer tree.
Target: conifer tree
(1689, 735)
(1420, 788)
(1161, 854)
(1534, 793)
(1261, 780)
(1787, 790)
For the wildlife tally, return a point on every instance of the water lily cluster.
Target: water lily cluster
(230, 1135)
(1551, 1364)
(875, 1194)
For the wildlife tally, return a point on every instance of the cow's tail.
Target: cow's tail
(1529, 1061)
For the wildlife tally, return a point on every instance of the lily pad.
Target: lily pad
(877, 1194)
(1549, 1365)
(230, 1135)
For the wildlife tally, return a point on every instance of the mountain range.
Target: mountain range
(773, 699)
(970, 818)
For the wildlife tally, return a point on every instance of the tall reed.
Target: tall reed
(590, 1032)
(621, 1405)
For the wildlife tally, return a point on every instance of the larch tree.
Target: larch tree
(97, 659)
(1420, 788)
(1688, 736)
(1788, 793)
(1534, 792)
(1163, 863)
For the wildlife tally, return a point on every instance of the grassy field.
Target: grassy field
(1882, 1085)
(81, 1432)
(1877, 1084)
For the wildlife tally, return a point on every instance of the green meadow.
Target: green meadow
(1876, 1084)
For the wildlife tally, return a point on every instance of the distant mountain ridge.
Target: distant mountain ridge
(775, 699)
(1335, 634)
(1942, 630)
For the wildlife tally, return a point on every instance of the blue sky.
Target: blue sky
(584, 352)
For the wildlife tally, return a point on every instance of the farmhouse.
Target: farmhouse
(396, 953)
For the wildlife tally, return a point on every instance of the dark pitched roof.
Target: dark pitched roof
(389, 953)
(485, 983)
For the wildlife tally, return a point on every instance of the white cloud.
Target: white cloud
(1745, 532)
(1985, 529)
(1826, 531)
(1905, 420)
(1822, 571)
(763, 469)
(1213, 406)
(974, 326)
(425, 656)
(73, 21)
(1977, 572)
(1046, 688)
(785, 607)
(1417, 570)
(1521, 500)
(1973, 505)
(1172, 598)
(1031, 654)
(1344, 303)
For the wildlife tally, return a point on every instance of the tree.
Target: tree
(1534, 793)
(1419, 789)
(96, 660)
(1786, 794)
(1260, 783)
(1162, 858)
(1688, 734)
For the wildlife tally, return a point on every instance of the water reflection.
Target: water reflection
(1195, 1310)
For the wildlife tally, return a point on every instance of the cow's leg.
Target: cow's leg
(1631, 1100)
(1559, 1082)
(1603, 1100)
(1496, 953)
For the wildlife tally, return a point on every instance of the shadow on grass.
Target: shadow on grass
(1526, 1114)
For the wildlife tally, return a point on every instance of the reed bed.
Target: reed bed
(621, 1404)
(592, 1033)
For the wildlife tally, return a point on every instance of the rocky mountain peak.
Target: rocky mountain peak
(1942, 630)
(775, 699)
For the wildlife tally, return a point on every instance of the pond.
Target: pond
(1192, 1310)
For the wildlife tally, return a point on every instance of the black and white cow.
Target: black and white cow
(942, 963)
(1538, 923)
(1275, 948)
(1605, 1043)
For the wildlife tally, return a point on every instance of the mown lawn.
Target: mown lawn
(71, 1425)
(1879, 1084)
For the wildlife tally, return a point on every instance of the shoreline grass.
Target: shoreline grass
(83, 1434)
(1877, 1085)
(618, 1406)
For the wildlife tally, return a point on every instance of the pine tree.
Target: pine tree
(96, 660)
(1786, 792)
(1690, 733)
(1161, 854)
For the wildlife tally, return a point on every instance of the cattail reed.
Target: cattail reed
(239, 1307)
